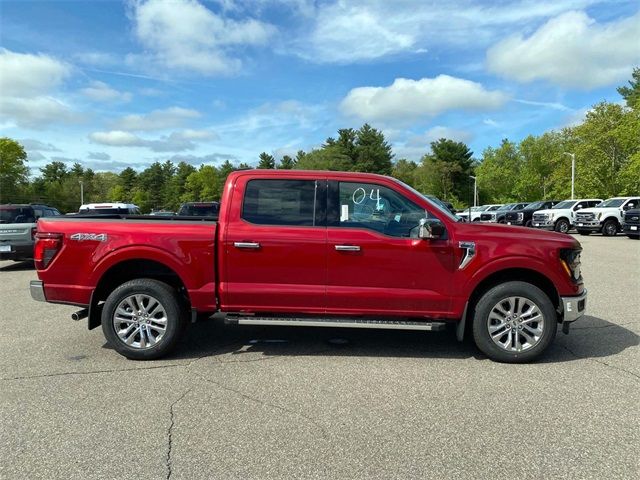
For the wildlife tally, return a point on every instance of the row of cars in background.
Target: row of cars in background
(18, 221)
(587, 215)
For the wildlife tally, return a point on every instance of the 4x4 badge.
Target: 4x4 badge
(96, 237)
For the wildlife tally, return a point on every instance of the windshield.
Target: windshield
(494, 208)
(535, 205)
(566, 204)
(16, 215)
(507, 207)
(612, 202)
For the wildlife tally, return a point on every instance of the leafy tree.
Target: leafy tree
(497, 172)
(128, 179)
(266, 161)
(631, 94)
(405, 171)
(14, 173)
(373, 153)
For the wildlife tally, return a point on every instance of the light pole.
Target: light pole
(81, 192)
(573, 171)
(475, 190)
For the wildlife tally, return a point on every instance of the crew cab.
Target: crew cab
(524, 216)
(606, 217)
(631, 225)
(499, 215)
(313, 248)
(561, 216)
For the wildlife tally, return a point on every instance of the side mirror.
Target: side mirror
(578, 207)
(431, 229)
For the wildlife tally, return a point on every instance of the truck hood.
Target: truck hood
(599, 210)
(502, 233)
(550, 210)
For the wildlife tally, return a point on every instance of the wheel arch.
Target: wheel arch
(130, 269)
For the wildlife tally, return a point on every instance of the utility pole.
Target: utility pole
(475, 190)
(573, 172)
(81, 192)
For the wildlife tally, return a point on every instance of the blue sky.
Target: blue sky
(113, 84)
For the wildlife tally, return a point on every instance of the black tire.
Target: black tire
(634, 237)
(610, 228)
(476, 219)
(502, 220)
(168, 299)
(484, 308)
(528, 224)
(562, 225)
(584, 232)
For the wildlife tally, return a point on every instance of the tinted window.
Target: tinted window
(371, 206)
(16, 215)
(105, 211)
(612, 202)
(279, 202)
(199, 210)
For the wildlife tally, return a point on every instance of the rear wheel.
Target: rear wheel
(562, 225)
(610, 228)
(514, 322)
(143, 319)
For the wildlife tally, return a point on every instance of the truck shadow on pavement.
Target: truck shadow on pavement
(591, 338)
(17, 266)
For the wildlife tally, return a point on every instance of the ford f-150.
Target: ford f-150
(312, 248)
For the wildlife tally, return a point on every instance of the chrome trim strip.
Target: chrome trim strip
(36, 287)
(386, 325)
(469, 252)
(348, 248)
(570, 310)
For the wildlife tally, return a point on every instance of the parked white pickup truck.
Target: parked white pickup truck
(607, 217)
(476, 212)
(562, 216)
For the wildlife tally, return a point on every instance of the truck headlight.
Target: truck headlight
(520, 216)
(570, 259)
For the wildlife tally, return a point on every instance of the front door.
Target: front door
(275, 247)
(376, 264)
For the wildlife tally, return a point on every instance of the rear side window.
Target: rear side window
(280, 202)
(199, 210)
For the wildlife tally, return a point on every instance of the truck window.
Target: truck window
(280, 202)
(375, 207)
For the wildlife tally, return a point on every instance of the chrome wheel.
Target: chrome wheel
(515, 324)
(140, 321)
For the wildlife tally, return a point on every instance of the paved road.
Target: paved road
(291, 403)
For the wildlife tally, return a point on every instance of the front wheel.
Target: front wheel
(143, 319)
(562, 225)
(514, 322)
(610, 228)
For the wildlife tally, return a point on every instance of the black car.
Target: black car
(631, 226)
(199, 209)
(524, 216)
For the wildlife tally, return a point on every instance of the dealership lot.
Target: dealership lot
(237, 402)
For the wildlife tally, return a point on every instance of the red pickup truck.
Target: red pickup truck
(312, 248)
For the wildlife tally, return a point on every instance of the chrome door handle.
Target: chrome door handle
(348, 248)
(249, 245)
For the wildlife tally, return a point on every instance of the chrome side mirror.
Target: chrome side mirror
(431, 229)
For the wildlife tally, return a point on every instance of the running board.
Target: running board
(338, 323)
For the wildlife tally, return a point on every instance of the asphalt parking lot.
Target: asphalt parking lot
(264, 403)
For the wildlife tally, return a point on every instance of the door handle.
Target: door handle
(348, 248)
(248, 245)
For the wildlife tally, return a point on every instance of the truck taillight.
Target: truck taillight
(46, 247)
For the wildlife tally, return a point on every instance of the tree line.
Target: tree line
(606, 146)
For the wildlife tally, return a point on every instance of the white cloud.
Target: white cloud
(174, 142)
(407, 99)
(156, 120)
(37, 112)
(185, 35)
(571, 50)
(99, 156)
(101, 92)
(37, 146)
(363, 30)
(438, 132)
(28, 75)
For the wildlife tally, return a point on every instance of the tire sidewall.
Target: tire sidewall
(605, 231)
(162, 292)
(490, 299)
(560, 222)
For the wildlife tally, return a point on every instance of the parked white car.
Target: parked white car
(477, 211)
(109, 209)
(562, 216)
(607, 217)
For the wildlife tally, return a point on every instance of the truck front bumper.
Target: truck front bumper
(590, 226)
(573, 307)
(36, 287)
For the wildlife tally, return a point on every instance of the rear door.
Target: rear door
(275, 246)
(376, 264)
